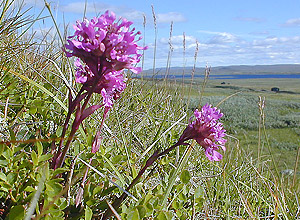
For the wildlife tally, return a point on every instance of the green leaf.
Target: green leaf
(3, 177)
(8, 154)
(133, 215)
(16, 213)
(185, 176)
(199, 202)
(46, 170)
(46, 157)
(134, 171)
(97, 189)
(88, 214)
(3, 163)
(179, 187)
(115, 170)
(63, 203)
(164, 161)
(2, 147)
(108, 190)
(39, 147)
(60, 170)
(142, 211)
(34, 157)
(199, 192)
(4, 189)
(29, 189)
(176, 205)
(182, 196)
(53, 188)
(148, 197)
(32, 110)
(149, 208)
(12, 134)
(12, 177)
(171, 182)
(43, 89)
(163, 216)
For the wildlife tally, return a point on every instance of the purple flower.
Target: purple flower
(105, 44)
(207, 131)
(106, 47)
(82, 72)
(111, 86)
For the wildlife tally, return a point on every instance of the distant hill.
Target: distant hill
(229, 70)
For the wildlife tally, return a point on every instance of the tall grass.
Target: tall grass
(149, 116)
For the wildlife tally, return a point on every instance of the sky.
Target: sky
(226, 32)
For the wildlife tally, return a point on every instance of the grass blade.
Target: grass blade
(181, 165)
(166, 131)
(43, 89)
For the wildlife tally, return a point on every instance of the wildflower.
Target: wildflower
(111, 86)
(106, 47)
(82, 72)
(207, 131)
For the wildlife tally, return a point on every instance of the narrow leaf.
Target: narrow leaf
(3, 177)
(90, 110)
(88, 213)
(171, 182)
(17, 213)
(39, 147)
(34, 158)
(43, 89)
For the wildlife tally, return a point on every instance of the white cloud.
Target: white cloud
(169, 17)
(294, 22)
(177, 42)
(223, 38)
(268, 50)
(178, 39)
(275, 41)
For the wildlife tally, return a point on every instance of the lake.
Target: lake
(233, 76)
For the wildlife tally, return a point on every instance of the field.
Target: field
(67, 152)
(282, 113)
(240, 98)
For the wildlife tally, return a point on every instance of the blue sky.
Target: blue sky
(228, 32)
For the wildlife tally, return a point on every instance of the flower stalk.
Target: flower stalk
(104, 47)
(206, 130)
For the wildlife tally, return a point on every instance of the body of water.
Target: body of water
(235, 76)
(262, 76)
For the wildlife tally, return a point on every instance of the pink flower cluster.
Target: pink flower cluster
(207, 131)
(106, 47)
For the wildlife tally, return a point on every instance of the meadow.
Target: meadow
(242, 114)
(256, 179)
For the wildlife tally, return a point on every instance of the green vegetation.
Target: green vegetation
(282, 114)
(148, 116)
